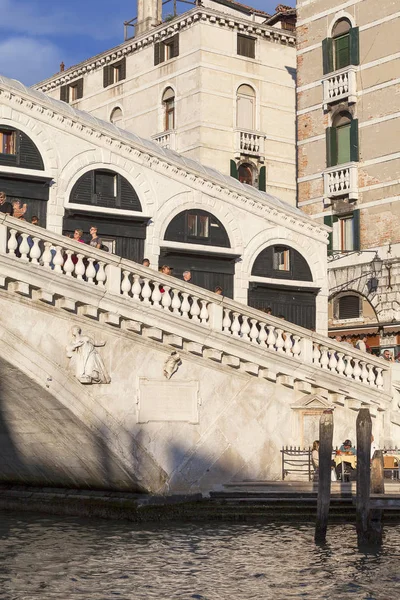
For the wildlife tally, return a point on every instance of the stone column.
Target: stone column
(149, 15)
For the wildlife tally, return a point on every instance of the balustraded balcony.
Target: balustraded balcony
(340, 86)
(166, 139)
(341, 180)
(250, 143)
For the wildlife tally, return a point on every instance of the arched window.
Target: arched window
(18, 150)
(197, 227)
(117, 117)
(342, 140)
(245, 108)
(106, 189)
(246, 173)
(341, 44)
(168, 101)
(281, 262)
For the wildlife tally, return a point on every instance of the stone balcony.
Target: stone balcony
(340, 86)
(341, 180)
(250, 143)
(166, 139)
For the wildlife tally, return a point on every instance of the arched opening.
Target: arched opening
(245, 108)
(117, 117)
(209, 267)
(123, 235)
(247, 173)
(295, 303)
(168, 101)
(341, 44)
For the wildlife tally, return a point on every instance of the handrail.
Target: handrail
(122, 277)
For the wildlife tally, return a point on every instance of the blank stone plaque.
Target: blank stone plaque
(162, 400)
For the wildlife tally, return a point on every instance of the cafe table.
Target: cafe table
(343, 458)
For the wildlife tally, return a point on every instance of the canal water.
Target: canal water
(68, 558)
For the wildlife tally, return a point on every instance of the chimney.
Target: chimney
(149, 15)
(62, 67)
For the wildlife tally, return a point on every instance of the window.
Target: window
(168, 100)
(72, 91)
(280, 259)
(8, 142)
(245, 107)
(342, 49)
(105, 184)
(246, 46)
(342, 140)
(114, 73)
(117, 117)
(166, 50)
(105, 189)
(246, 174)
(345, 236)
(348, 307)
(198, 225)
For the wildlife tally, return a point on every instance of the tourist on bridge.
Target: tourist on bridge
(5, 206)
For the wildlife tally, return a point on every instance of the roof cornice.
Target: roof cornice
(162, 32)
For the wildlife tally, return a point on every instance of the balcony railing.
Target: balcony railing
(341, 180)
(166, 139)
(250, 143)
(341, 85)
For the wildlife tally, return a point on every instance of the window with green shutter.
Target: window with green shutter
(262, 179)
(328, 221)
(342, 49)
(234, 170)
(342, 140)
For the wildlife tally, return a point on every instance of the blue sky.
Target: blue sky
(36, 35)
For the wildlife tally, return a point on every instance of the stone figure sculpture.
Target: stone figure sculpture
(89, 366)
(171, 364)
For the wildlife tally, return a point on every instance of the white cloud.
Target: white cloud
(29, 60)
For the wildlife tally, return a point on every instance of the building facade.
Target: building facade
(348, 60)
(216, 84)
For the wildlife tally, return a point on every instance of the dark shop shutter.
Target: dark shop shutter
(262, 179)
(29, 155)
(128, 197)
(107, 76)
(356, 229)
(354, 153)
(349, 307)
(234, 171)
(79, 85)
(327, 55)
(82, 192)
(64, 93)
(354, 46)
(175, 46)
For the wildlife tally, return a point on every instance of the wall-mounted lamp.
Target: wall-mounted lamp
(376, 269)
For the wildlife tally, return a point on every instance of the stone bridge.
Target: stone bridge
(242, 384)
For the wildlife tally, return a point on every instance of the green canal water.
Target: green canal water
(68, 558)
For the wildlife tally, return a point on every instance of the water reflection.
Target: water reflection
(49, 557)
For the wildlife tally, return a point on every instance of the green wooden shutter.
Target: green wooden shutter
(175, 47)
(262, 179)
(354, 144)
(234, 170)
(331, 147)
(328, 220)
(356, 230)
(157, 58)
(106, 76)
(354, 46)
(64, 93)
(79, 85)
(327, 55)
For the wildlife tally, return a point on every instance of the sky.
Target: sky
(37, 35)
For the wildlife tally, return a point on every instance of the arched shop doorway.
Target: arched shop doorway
(125, 234)
(273, 284)
(27, 192)
(209, 267)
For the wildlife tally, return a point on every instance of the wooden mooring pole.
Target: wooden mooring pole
(364, 431)
(324, 480)
(377, 487)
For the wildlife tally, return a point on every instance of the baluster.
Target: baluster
(371, 374)
(356, 369)
(185, 306)
(156, 296)
(24, 246)
(279, 340)
(47, 255)
(195, 310)
(204, 311)
(35, 251)
(12, 243)
(332, 361)
(263, 335)
(364, 372)
(288, 343)
(69, 265)
(166, 299)
(126, 283)
(90, 271)
(235, 328)
(226, 323)
(80, 267)
(296, 346)
(271, 339)
(146, 292)
(245, 329)
(176, 302)
(340, 365)
(58, 260)
(253, 331)
(101, 274)
(136, 287)
(324, 358)
(349, 367)
(379, 378)
(316, 354)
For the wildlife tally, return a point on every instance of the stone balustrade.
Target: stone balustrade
(166, 139)
(249, 142)
(339, 86)
(144, 287)
(341, 180)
